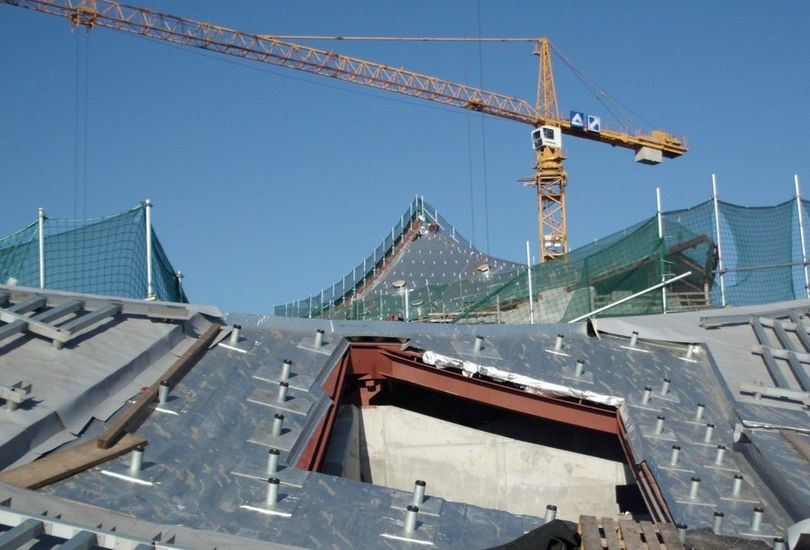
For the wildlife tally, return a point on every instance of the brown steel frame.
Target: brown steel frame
(372, 363)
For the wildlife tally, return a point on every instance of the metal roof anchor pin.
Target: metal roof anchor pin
(163, 393)
(580, 368)
(558, 343)
(136, 463)
(286, 365)
(278, 421)
(410, 518)
(707, 437)
(418, 492)
(721, 452)
(551, 513)
(659, 424)
(272, 491)
(647, 395)
(701, 408)
(681, 527)
(717, 524)
(634, 339)
(235, 332)
(778, 543)
(690, 351)
(676, 453)
(665, 385)
(318, 342)
(737, 487)
(272, 461)
(756, 519)
(693, 488)
(282, 391)
(479, 341)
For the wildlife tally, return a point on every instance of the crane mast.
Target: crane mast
(549, 175)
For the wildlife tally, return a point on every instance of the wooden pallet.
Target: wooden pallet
(625, 534)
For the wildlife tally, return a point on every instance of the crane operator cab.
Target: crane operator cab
(546, 136)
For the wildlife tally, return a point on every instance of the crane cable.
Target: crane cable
(483, 128)
(76, 110)
(80, 127)
(624, 116)
(468, 119)
(330, 37)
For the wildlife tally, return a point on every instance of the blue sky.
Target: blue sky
(270, 184)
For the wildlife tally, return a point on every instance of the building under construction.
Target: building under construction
(134, 422)
(649, 390)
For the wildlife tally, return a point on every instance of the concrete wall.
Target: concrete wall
(466, 465)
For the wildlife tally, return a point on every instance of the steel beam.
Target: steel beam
(83, 540)
(315, 451)
(26, 531)
(86, 320)
(59, 311)
(385, 361)
(31, 304)
(12, 328)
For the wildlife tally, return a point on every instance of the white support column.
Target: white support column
(663, 247)
(801, 234)
(41, 232)
(529, 275)
(720, 267)
(150, 289)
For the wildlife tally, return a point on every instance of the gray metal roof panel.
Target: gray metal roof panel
(435, 258)
(199, 482)
(91, 376)
(226, 403)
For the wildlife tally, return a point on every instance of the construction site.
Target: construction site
(648, 389)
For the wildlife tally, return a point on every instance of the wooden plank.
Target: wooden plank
(611, 533)
(65, 463)
(589, 533)
(132, 418)
(670, 536)
(650, 535)
(631, 534)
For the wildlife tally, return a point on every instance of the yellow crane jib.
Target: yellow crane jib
(547, 126)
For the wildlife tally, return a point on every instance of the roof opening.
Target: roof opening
(392, 432)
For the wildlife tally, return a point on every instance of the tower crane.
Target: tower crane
(548, 126)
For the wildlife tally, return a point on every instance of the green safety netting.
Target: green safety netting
(101, 255)
(736, 255)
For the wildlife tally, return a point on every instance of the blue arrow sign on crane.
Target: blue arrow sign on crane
(577, 119)
(594, 123)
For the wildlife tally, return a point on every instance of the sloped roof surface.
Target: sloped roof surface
(205, 465)
(432, 256)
